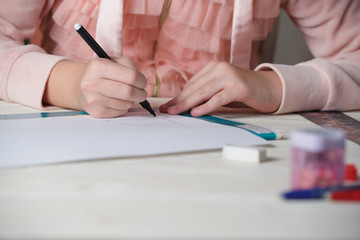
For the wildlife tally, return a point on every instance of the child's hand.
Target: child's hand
(102, 88)
(109, 89)
(220, 83)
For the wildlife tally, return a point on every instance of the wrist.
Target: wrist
(269, 86)
(62, 85)
(275, 88)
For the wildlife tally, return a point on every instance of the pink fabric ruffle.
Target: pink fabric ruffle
(61, 38)
(194, 33)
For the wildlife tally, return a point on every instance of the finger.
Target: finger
(189, 89)
(218, 100)
(173, 102)
(198, 83)
(126, 61)
(201, 79)
(118, 104)
(202, 71)
(108, 69)
(197, 97)
(106, 112)
(119, 90)
(101, 107)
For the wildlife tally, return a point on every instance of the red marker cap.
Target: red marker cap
(346, 195)
(351, 172)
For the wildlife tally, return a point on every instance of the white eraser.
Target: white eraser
(244, 154)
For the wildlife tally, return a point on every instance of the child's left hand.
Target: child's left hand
(221, 83)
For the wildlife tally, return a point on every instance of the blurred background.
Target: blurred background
(290, 47)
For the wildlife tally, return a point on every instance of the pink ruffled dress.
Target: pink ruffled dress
(194, 33)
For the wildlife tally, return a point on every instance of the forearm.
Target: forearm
(266, 89)
(62, 85)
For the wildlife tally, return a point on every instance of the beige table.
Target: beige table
(190, 195)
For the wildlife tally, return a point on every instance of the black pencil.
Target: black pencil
(102, 54)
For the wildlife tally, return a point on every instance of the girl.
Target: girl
(203, 53)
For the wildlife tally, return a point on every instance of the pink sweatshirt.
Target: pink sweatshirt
(195, 32)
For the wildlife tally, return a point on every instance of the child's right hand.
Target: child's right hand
(102, 88)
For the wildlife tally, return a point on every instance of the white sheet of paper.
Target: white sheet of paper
(26, 142)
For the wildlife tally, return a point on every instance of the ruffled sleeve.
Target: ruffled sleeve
(60, 38)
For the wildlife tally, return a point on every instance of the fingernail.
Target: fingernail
(195, 112)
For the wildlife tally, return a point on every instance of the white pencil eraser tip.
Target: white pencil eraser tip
(77, 26)
(244, 154)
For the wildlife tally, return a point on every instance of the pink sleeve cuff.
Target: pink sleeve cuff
(303, 87)
(28, 77)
